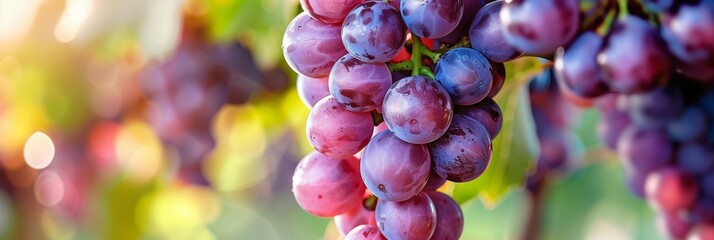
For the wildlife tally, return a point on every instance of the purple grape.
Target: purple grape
(311, 47)
(707, 184)
(359, 86)
(337, 132)
(670, 190)
(326, 186)
(412, 219)
(578, 67)
(365, 232)
(695, 158)
(471, 7)
(498, 74)
(486, 34)
(689, 126)
(465, 74)
(329, 11)
(611, 126)
(449, 217)
(644, 150)
(633, 58)
(463, 153)
(656, 108)
(689, 33)
(311, 90)
(417, 109)
(373, 32)
(540, 27)
(486, 112)
(395, 3)
(434, 182)
(432, 18)
(658, 5)
(394, 170)
(353, 218)
(636, 183)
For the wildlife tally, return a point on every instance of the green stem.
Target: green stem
(401, 66)
(370, 203)
(624, 12)
(427, 72)
(607, 24)
(416, 55)
(434, 56)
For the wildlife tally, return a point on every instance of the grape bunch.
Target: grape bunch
(189, 87)
(401, 102)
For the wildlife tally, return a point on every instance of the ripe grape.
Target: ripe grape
(393, 169)
(373, 32)
(311, 90)
(656, 108)
(486, 112)
(359, 86)
(365, 232)
(578, 67)
(486, 34)
(337, 132)
(611, 127)
(465, 74)
(311, 47)
(326, 186)
(417, 109)
(355, 217)
(644, 150)
(329, 11)
(434, 182)
(689, 126)
(689, 33)
(695, 158)
(464, 151)
(412, 219)
(540, 27)
(449, 218)
(471, 7)
(671, 190)
(432, 18)
(498, 74)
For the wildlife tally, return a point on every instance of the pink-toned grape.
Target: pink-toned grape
(329, 11)
(671, 190)
(374, 32)
(359, 86)
(355, 217)
(311, 90)
(413, 219)
(336, 131)
(311, 47)
(365, 232)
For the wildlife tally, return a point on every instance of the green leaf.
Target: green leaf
(516, 147)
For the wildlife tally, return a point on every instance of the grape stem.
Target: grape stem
(426, 72)
(416, 55)
(624, 12)
(401, 66)
(605, 27)
(376, 117)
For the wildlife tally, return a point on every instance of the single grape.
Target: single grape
(353, 218)
(540, 27)
(412, 219)
(311, 90)
(432, 18)
(671, 190)
(486, 34)
(434, 182)
(636, 183)
(417, 109)
(329, 11)
(689, 33)
(463, 153)
(690, 125)
(673, 225)
(359, 86)
(633, 58)
(498, 73)
(611, 126)
(465, 74)
(365, 232)
(644, 150)
(311, 47)
(326, 186)
(337, 132)
(656, 108)
(471, 7)
(449, 217)
(486, 112)
(695, 158)
(394, 170)
(578, 67)
(373, 32)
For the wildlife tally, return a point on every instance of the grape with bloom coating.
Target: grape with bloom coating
(486, 35)
(539, 27)
(355, 217)
(337, 132)
(365, 232)
(465, 74)
(329, 11)
(431, 18)
(359, 86)
(449, 217)
(373, 32)
(578, 67)
(486, 112)
(311, 90)
(463, 153)
(326, 186)
(413, 219)
(311, 47)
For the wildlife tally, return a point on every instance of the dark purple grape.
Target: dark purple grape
(555, 148)
(486, 112)
(336, 131)
(353, 218)
(326, 186)
(311, 90)
(358, 85)
(471, 7)
(695, 158)
(578, 67)
(498, 74)
(671, 190)
(656, 108)
(707, 184)
(644, 150)
(395, 3)
(611, 126)
(329, 11)
(373, 32)
(689, 32)
(417, 109)
(311, 47)
(463, 153)
(465, 74)
(689, 126)
(413, 219)
(365, 232)
(394, 170)
(658, 5)
(540, 27)
(434, 182)
(432, 18)
(633, 58)
(449, 217)
(486, 35)
(707, 104)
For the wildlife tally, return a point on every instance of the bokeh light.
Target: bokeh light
(49, 188)
(39, 150)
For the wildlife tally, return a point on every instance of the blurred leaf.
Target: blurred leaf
(504, 221)
(516, 147)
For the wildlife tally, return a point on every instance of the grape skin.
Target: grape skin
(578, 67)
(365, 232)
(311, 47)
(463, 153)
(689, 126)
(374, 32)
(359, 86)
(540, 27)
(644, 150)
(417, 109)
(471, 7)
(498, 74)
(329, 11)
(486, 112)
(326, 186)
(465, 74)
(670, 190)
(394, 170)
(413, 219)
(434, 182)
(486, 35)
(449, 217)
(311, 90)
(355, 217)
(432, 18)
(337, 132)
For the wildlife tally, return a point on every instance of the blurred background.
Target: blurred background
(179, 119)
